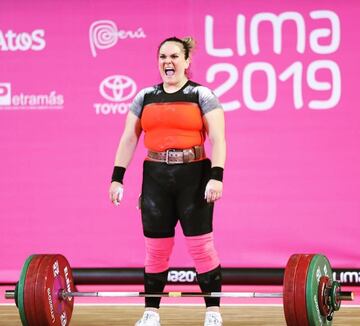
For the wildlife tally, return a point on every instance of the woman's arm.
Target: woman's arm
(124, 154)
(215, 126)
(128, 140)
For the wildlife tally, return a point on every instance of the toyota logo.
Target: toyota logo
(117, 88)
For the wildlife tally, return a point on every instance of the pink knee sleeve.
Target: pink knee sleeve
(158, 251)
(203, 252)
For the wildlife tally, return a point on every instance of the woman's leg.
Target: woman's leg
(158, 251)
(196, 218)
(158, 221)
(207, 265)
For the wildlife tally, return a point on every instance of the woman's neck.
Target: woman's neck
(172, 88)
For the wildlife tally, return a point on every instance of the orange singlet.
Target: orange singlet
(175, 125)
(174, 120)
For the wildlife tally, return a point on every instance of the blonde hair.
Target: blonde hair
(189, 43)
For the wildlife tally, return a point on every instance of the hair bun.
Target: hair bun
(190, 42)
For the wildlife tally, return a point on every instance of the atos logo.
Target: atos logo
(23, 41)
(117, 88)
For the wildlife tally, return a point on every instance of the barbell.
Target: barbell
(45, 291)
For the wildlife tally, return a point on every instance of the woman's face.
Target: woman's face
(172, 63)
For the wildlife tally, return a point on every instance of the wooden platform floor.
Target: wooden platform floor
(102, 315)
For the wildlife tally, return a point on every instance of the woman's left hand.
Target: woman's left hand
(213, 190)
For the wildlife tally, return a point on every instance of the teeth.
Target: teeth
(169, 71)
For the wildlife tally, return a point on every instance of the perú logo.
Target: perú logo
(117, 88)
(105, 34)
(11, 41)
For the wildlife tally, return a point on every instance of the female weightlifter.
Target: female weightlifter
(179, 182)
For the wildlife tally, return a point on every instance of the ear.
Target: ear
(187, 63)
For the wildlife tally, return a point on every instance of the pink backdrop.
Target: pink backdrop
(286, 72)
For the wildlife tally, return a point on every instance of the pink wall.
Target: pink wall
(290, 92)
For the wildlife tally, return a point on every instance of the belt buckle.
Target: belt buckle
(189, 155)
(167, 161)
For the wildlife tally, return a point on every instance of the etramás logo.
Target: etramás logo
(25, 101)
(118, 90)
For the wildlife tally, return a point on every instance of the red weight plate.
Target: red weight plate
(289, 290)
(29, 288)
(40, 295)
(300, 289)
(54, 275)
(65, 281)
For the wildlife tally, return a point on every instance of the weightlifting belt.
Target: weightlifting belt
(178, 156)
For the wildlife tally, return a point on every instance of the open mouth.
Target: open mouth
(169, 72)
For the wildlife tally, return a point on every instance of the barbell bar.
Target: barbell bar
(343, 295)
(9, 294)
(45, 292)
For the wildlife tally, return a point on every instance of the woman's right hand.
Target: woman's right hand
(116, 192)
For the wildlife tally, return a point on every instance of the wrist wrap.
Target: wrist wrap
(118, 174)
(217, 173)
